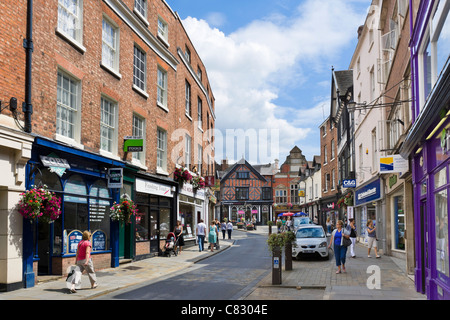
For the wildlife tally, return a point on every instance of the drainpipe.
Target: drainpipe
(27, 107)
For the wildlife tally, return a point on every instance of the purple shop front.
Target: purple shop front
(428, 145)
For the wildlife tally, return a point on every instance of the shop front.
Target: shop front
(369, 205)
(80, 179)
(191, 208)
(329, 211)
(155, 199)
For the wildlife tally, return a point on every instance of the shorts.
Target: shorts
(371, 242)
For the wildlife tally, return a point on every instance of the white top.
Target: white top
(201, 227)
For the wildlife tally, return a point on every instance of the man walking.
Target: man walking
(229, 228)
(201, 229)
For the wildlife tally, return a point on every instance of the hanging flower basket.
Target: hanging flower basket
(182, 175)
(198, 183)
(124, 211)
(39, 204)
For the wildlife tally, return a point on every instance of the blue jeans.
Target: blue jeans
(201, 242)
(339, 254)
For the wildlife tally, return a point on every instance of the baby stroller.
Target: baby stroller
(171, 244)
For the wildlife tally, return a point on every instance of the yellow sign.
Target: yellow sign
(301, 193)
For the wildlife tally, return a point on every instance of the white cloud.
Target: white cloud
(248, 67)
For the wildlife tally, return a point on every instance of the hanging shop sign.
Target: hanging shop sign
(349, 183)
(115, 177)
(133, 144)
(394, 164)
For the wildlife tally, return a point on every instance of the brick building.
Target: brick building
(329, 172)
(102, 71)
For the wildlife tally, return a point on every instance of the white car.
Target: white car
(310, 240)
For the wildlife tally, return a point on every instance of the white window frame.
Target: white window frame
(161, 150)
(199, 159)
(108, 124)
(74, 107)
(139, 131)
(141, 9)
(187, 150)
(139, 80)
(200, 113)
(188, 96)
(75, 34)
(112, 46)
(163, 31)
(161, 88)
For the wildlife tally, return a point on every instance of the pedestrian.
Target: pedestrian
(229, 229)
(201, 232)
(328, 226)
(217, 224)
(340, 251)
(352, 228)
(178, 230)
(223, 228)
(288, 224)
(84, 261)
(213, 234)
(254, 222)
(372, 238)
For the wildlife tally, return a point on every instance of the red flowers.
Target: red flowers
(40, 204)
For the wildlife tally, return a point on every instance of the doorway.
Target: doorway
(44, 248)
(424, 245)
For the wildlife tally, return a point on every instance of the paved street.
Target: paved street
(241, 270)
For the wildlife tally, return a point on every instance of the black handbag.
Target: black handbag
(346, 242)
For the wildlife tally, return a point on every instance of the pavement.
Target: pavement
(309, 280)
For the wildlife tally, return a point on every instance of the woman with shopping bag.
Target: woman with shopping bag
(83, 260)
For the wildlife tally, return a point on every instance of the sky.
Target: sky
(269, 65)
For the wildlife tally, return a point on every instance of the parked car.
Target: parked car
(310, 240)
(300, 221)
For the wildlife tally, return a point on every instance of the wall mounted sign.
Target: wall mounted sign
(98, 241)
(155, 188)
(368, 193)
(55, 164)
(115, 177)
(133, 144)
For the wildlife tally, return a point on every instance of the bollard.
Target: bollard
(276, 266)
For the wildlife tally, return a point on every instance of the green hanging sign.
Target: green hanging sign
(133, 144)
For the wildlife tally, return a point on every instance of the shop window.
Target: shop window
(142, 233)
(441, 230)
(99, 222)
(399, 221)
(51, 180)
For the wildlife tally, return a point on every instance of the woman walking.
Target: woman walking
(213, 233)
(178, 230)
(340, 251)
(371, 238)
(84, 261)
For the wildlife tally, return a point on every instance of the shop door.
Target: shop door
(154, 235)
(44, 249)
(424, 244)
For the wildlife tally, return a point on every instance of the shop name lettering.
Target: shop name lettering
(198, 310)
(154, 187)
(367, 193)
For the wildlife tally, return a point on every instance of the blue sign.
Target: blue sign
(73, 238)
(369, 192)
(349, 183)
(98, 241)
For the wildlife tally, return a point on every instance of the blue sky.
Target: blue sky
(269, 64)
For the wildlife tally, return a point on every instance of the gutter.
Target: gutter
(27, 107)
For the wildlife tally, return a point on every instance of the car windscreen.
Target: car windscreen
(300, 221)
(310, 233)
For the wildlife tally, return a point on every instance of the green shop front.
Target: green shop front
(81, 179)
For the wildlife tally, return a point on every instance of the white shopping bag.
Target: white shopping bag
(73, 277)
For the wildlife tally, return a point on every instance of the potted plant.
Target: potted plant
(39, 204)
(276, 244)
(124, 211)
(289, 238)
(240, 225)
(270, 224)
(249, 226)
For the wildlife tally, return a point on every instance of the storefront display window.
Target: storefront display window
(441, 226)
(399, 220)
(142, 224)
(187, 218)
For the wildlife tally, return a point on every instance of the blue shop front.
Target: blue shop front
(80, 179)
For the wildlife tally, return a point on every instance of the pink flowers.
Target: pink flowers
(182, 175)
(40, 204)
(198, 182)
(123, 211)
